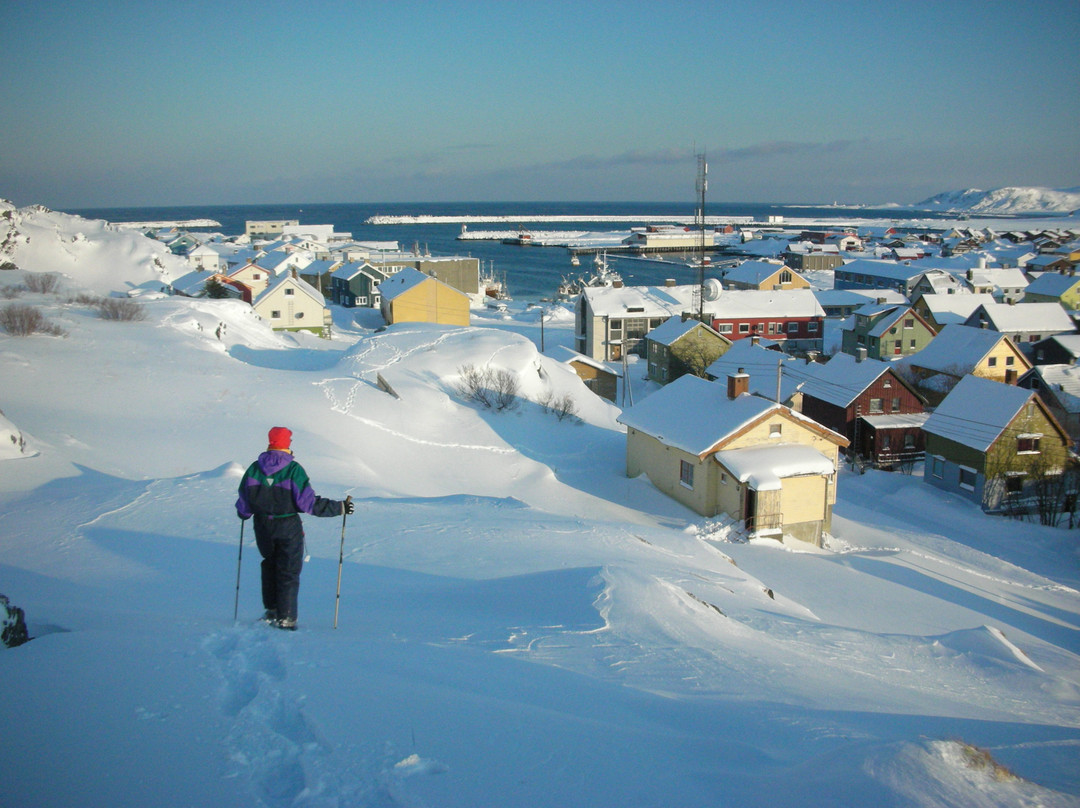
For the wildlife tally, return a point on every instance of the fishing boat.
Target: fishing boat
(601, 276)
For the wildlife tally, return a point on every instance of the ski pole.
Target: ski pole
(239, 558)
(341, 559)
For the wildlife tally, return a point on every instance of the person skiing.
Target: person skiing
(275, 490)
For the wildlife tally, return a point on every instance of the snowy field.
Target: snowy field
(520, 623)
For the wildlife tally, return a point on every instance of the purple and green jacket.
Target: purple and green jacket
(276, 485)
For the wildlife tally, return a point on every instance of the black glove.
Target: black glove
(347, 506)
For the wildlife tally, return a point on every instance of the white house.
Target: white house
(292, 304)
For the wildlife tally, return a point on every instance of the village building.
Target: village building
(610, 321)
(1052, 287)
(1059, 388)
(267, 228)
(1048, 262)
(886, 332)
(866, 273)
(794, 319)
(808, 257)
(844, 302)
(669, 238)
(942, 310)
(719, 450)
(866, 401)
(682, 345)
(253, 275)
(763, 275)
(357, 284)
(960, 350)
(1060, 349)
(291, 304)
(992, 443)
(1023, 323)
(412, 296)
(597, 376)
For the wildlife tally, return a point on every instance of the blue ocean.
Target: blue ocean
(531, 273)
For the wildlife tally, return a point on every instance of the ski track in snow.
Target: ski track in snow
(276, 748)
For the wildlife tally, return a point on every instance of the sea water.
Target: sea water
(531, 273)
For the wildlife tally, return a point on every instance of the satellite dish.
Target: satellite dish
(712, 289)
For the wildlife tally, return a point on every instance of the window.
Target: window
(909, 441)
(1027, 444)
(793, 328)
(992, 361)
(812, 326)
(744, 328)
(1010, 360)
(275, 315)
(967, 478)
(775, 430)
(911, 344)
(886, 441)
(1014, 483)
(909, 322)
(290, 292)
(937, 467)
(723, 328)
(686, 474)
(876, 406)
(785, 276)
(887, 383)
(299, 315)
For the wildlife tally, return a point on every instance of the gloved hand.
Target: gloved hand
(348, 507)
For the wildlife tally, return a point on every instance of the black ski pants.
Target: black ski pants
(281, 542)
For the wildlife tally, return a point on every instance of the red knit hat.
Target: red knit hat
(280, 439)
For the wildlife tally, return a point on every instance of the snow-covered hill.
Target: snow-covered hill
(520, 623)
(1011, 201)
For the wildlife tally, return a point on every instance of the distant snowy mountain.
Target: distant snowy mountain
(1006, 200)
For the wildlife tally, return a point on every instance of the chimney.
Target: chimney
(737, 384)
(860, 354)
(754, 340)
(669, 282)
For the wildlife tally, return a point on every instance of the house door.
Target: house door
(750, 508)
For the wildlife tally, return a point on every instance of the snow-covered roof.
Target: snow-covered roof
(754, 359)
(764, 467)
(754, 272)
(857, 297)
(408, 278)
(569, 355)
(674, 328)
(1048, 318)
(1069, 342)
(977, 411)
(1053, 284)
(890, 270)
(642, 301)
(946, 309)
(694, 415)
(840, 380)
(287, 279)
(749, 303)
(956, 347)
(1063, 382)
(351, 269)
(896, 420)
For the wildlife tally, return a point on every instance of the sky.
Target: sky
(197, 103)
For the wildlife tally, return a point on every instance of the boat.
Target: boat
(602, 275)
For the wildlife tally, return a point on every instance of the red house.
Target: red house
(866, 401)
(793, 318)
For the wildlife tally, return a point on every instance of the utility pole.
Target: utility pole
(701, 187)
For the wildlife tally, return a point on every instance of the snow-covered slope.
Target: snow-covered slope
(91, 254)
(1013, 201)
(520, 624)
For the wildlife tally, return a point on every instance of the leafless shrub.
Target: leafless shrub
(42, 282)
(10, 292)
(121, 309)
(562, 407)
(83, 299)
(495, 389)
(22, 321)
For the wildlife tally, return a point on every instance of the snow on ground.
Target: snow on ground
(520, 623)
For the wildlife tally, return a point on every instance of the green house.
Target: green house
(993, 443)
(887, 332)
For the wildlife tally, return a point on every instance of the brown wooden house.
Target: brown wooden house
(865, 400)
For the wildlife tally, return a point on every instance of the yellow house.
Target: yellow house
(410, 296)
(764, 275)
(292, 304)
(962, 349)
(254, 277)
(718, 449)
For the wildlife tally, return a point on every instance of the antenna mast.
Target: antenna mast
(701, 187)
